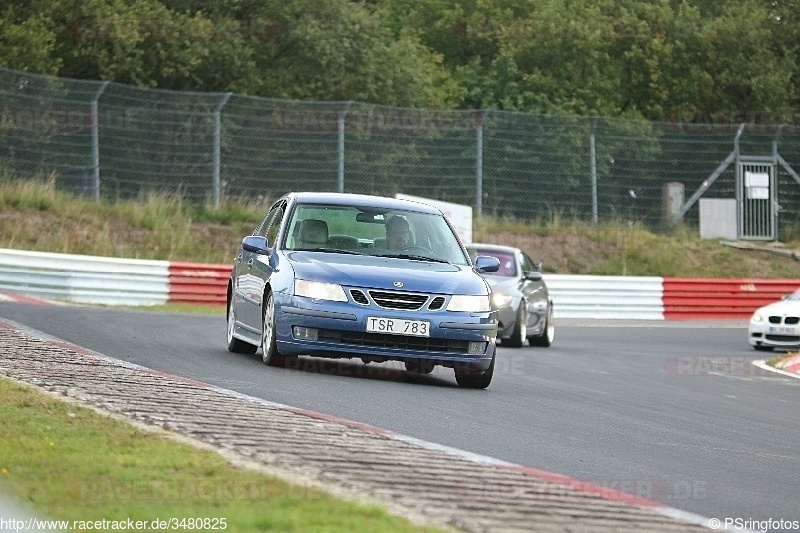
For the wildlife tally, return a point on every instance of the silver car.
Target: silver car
(519, 296)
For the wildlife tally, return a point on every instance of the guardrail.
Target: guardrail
(721, 298)
(606, 297)
(109, 281)
(200, 283)
(84, 279)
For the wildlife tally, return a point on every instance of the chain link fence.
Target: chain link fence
(114, 141)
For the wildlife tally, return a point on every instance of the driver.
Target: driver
(398, 234)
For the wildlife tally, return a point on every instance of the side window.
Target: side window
(275, 226)
(272, 222)
(527, 264)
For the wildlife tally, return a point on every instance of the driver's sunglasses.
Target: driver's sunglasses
(399, 234)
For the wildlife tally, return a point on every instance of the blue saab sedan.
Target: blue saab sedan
(355, 276)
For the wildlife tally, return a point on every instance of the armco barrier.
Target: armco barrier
(721, 298)
(200, 283)
(609, 297)
(83, 278)
(102, 280)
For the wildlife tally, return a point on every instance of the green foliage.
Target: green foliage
(659, 60)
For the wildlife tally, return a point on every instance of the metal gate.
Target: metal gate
(756, 195)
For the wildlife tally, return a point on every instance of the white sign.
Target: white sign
(758, 193)
(460, 216)
(756, 179)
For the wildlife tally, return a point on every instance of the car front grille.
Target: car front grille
(399, 300)
(359, 297)
(400, 342)
(436, 304)
(782, 338)
(789, 320)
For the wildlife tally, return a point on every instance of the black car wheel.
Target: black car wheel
(520, 333)
(548, 334)
(235, 345)
(474, 379)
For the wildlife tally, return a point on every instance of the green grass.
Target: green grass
(34, 216)
(75, 464)
(774, 360)
(212, 309)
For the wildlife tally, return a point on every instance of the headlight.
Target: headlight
(319, 291)
(501, 300)
(756, 318)
(473, 304)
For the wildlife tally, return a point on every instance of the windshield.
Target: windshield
(508, 267)
(369, 231)
(794, 296)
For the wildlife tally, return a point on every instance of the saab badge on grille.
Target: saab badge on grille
(398, 284)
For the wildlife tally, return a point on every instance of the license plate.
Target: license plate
(783, 331)
(398, 326)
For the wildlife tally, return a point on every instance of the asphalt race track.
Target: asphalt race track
(671, 412)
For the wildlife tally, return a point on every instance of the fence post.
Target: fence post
(217, 147)
(593, 166)
(96, 139)
(479, 164)
(340, 147)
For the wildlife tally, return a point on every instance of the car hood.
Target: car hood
(787, 307)
(384, 272)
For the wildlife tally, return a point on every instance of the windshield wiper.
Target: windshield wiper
(329, 250)
(415, 257)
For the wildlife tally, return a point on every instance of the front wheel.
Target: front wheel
(474, 379)
(269, 347)
(235, 345)
(548, 334)
(520, 333)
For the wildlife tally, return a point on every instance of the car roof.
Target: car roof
(492, 247)
(386, 202)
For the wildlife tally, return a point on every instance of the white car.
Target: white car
(777, 325)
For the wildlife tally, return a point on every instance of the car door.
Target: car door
(535, 290)
(254, 270)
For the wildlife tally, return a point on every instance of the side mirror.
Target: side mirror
(487, 263)
(534, 275)
(256, 244)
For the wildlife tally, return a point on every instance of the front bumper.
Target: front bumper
(340, 332)
(766, 334)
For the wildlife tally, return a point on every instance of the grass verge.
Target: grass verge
(775, 360)
(79, 465)
(34, 216)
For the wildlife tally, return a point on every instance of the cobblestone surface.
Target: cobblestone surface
(427, 484)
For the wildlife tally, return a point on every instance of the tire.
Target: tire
(419, 366)
(520, 333)
(269, 347)
(548, 334)
(236, 345)
(471, 379)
